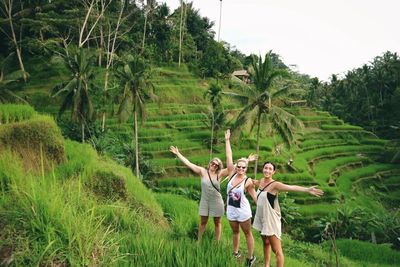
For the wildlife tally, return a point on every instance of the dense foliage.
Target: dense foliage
(367, 96)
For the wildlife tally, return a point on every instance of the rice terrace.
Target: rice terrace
(110, 110)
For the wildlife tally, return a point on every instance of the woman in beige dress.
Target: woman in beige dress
(268, 215)
(211, 203)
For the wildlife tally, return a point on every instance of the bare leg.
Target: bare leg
(202, 227)
(277, 249)
(218, 228)
(246, 227)
(235, 235)
(267, 250)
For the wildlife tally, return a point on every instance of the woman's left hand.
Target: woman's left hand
(227, 134)
(313, 190)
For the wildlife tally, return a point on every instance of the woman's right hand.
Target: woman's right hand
(174, 150)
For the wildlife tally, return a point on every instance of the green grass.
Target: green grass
(317, 210)
(345, 180)
(312, 144)
(10, 113)
(302, 159)
(323, 169)
(341, 127)
(377, 254)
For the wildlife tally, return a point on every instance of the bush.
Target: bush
(107, 185)
(32, 137)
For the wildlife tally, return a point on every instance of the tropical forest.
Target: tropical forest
(93, 93)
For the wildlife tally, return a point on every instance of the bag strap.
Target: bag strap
(209, 176)
(261, 190)
(231, 177)
(236, 186)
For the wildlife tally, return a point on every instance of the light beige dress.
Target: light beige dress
(211, 203)
(267, 219)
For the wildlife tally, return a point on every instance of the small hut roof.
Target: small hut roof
(240, 73)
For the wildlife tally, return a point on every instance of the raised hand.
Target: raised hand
(313, 190)
(174, 150)
(252, 157)
(227, 134)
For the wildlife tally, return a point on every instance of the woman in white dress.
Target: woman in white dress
(268, 214)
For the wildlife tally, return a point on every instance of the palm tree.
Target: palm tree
(134, 79)
(181, 28)
(214, 94)
(76, 91)
(257, 99)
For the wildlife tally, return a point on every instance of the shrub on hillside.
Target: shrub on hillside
(107, 185)
(29, 138)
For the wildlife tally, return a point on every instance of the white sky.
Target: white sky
(321, 37)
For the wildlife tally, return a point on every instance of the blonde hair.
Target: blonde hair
(245, 160)
(220, 165)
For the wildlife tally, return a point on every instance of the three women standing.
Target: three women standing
(268, 216)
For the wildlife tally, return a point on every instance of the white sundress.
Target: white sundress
(267, 220)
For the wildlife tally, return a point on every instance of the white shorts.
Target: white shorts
(238, 214)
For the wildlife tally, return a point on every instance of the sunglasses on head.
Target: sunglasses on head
(241, 167)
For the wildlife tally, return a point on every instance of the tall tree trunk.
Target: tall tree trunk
(180, 35)
(110, 50)
(83, 132)
(258, 144)
(144, 29)
(100, 50)
(136, 146)
(103, 124)
(8, 7)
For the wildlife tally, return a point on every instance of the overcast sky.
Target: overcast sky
(321, 37)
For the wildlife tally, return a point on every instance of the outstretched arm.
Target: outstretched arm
(193, 167)
(313, 190)
(228, 150)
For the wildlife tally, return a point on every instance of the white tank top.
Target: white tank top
(238, 206)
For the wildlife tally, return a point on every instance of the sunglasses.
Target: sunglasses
(241, 167)
(214, 164)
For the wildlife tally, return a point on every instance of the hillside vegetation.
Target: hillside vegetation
(63, 204)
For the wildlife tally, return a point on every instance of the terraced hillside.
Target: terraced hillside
(343, 160)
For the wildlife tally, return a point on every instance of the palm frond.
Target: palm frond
(285, 124)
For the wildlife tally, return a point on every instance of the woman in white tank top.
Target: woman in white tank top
(238, 207)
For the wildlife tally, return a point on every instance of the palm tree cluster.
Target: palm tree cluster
(76, 90)
(366, 96)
